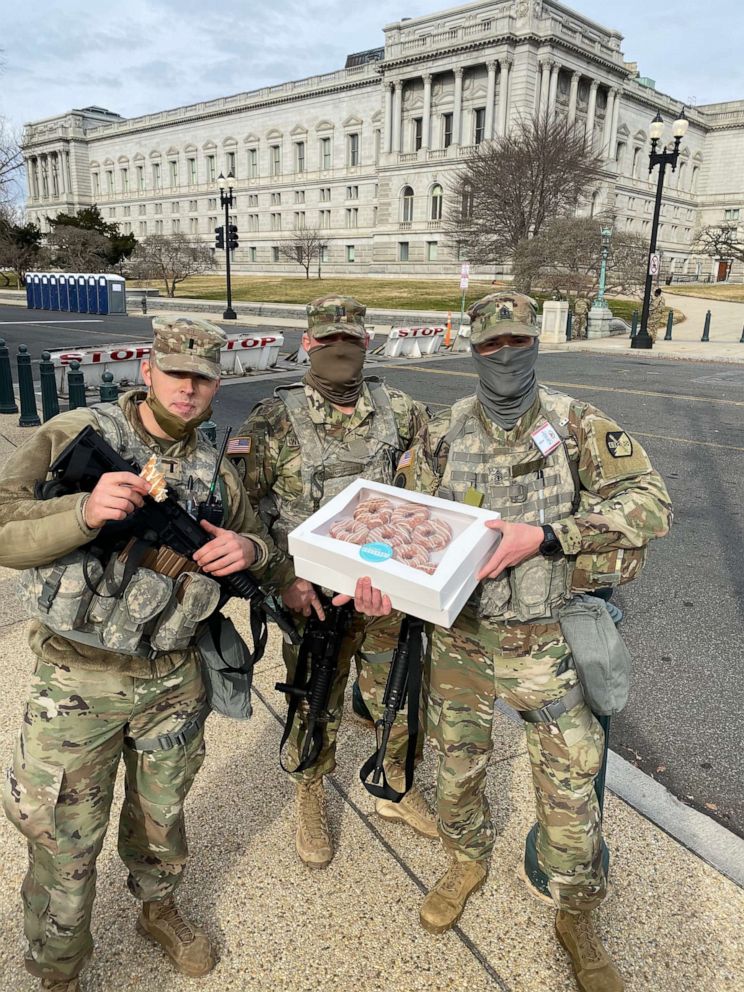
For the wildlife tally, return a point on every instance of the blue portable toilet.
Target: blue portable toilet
(29, 290)
(37, 291)
(64, 299)
(82, 288)
(53, 292)
(45, 291)
(103, 294)
(92, 290)
(72, 293)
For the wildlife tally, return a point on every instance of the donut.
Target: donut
(349, 530)
(433, 534)
(373, 504)
(429, 567)
(373, 518)
(394, 534)
(409, 554)
(410, 514)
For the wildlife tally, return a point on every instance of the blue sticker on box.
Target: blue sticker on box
(377, 551)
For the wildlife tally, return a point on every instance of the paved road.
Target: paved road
(684, 616)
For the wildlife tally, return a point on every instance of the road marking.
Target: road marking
(584, 385)
(685, 440)
(24, 322)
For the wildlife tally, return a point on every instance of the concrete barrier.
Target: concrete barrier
(413, 342)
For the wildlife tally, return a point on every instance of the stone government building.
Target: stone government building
(366, 153)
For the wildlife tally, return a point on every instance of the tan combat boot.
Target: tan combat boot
(71, 985)
(313, 839)
(413, 810)
(592, 965)
(186, 945)
(443, 906)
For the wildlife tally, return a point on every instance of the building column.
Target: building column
(607, 145)
(397, 115)
(457, 114)
(44, 165)
(388, 133)
(426, 124)
(490, 100)
(504, 73)
(615, 121)
(572, 97)
(544, 86)
(553, 91)
(589, 140)
(61, 174)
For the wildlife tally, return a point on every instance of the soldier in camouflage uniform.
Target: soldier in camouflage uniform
(294, 453)
(579, 501)
(657, 313)
(111, 680)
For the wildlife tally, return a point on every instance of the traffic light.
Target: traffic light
(232, 237)
(219, 238)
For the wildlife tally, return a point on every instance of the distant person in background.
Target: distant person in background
(657, 313)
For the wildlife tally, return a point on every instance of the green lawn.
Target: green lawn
(731, 292)
(8, 280)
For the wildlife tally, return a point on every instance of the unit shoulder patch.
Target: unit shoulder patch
(619, 444)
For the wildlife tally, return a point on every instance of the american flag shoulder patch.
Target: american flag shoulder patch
(405, 459)
(239, 445)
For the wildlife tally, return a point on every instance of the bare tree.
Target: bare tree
(76, 249)
(19, 244)
(724, 241)
(11, 162)
(304, 247)
(510, 187)
(171, 258)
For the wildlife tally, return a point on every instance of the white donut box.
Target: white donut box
(437, 598)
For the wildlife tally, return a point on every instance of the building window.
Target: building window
(407, 204)
(124, 180)
(194, 225)
(175, 207)
(353, 141)
(252, 222)
(142, 209)
(276, 199)
(299, 156)
(694, 179)
(468, 202)
(173, 173)
(276, 222)
(158, 208)
(253, 199)
(193, 206)
(211, 168)
(191, 170)
(731, 214)
(620, 154)
(479, 119)
(636, 162)
(158, 227)
(299, 219)
(299, 196)
(252, 163)
(211, 223)
(127, 211)
(275, 154)
(252, 254)
(436, 202)
(403, 251)
(325, 153)
(274, 253)
(110, 181)
(352, 217)
(112, 212)
(325, 218)
(324, 253)
(374, 216)
(156, 175)
(230, 164)
(325, 194)
(350, 253)
(176, 226)
(431, 251)
(446, 130)
(140, 178)
(96, 184)
(352, 192)
(418, 132)
(143, 228)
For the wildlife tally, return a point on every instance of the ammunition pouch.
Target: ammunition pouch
(600, 657)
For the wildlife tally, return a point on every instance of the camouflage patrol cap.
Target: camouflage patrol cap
(502, 313)
(187, 344)
(336, 315)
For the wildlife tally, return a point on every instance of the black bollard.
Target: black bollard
(108, 389)
(49, 401)
(75, 387)
(706, 327)
(670, 322)
(634, 324)
(569, 326)
(7, 396)
(741, 339)
(144, 304)
(29, 414)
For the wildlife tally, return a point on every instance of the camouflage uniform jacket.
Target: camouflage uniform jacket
(37, 532)
(622, 502)
(271, 466)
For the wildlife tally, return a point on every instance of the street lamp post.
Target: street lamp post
(600, 300)
(662, 159)
(226, 201)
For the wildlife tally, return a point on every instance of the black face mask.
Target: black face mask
(336, 370)
(507, 386)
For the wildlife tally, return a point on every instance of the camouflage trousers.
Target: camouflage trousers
(59, 789)
(372, 640)
(526, 665)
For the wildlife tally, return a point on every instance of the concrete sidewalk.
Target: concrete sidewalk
(672, 922)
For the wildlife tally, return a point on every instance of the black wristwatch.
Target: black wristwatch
(551, 546)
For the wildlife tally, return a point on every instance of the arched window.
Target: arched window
(694, 180)
(407, 205)
(436, 202)
(636, 162)
(468, 201)
(681, 178)
(620, 153)
(593, 205)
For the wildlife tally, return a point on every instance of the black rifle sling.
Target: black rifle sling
(403, 684)
(300, 682)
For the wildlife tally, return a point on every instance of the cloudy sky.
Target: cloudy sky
(148, 55)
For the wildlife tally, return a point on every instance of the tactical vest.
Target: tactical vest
(90, 598)
(522, 485)
(328, 465)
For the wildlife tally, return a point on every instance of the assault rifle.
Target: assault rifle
(79, 467)
(317, 663)
(403, 684)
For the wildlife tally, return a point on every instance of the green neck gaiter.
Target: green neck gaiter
(336, 371)
(171, 423)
